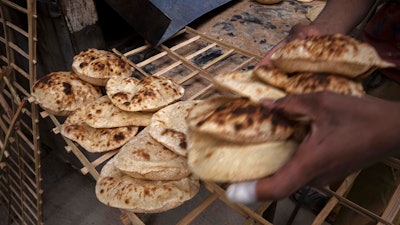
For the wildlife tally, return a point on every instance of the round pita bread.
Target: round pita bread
(119, 190)
(168, 126)
(336, 54)
(95, 139)
(246, 85)
(145, 158)
(60, 93)
(102, 113)
(97, 66)
(149, 94)
(99, 139)
(303, 82)
(219, 160)
(239, 120)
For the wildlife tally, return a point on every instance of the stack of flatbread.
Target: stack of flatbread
(232, 140)
(150, 173)
(322, 63)
(113, 119)
(100, 126)
(236, 139)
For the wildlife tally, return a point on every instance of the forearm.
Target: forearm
(342, 16)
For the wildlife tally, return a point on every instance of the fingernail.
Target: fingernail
(244, 193)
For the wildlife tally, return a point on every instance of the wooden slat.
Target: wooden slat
(189, 217)
(342, 190)
(15, 6)
(18, 29)
(11, 128)
(100, 160)
(392, 211)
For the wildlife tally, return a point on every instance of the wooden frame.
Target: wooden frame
(20, 182)
(192, 59)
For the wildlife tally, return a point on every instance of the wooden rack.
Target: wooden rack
(192, 59)
(20, 177)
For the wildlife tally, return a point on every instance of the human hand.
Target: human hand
(298, 31)
(347, 134)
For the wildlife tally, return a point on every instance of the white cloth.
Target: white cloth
(244, 192)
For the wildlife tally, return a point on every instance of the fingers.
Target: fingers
(298, 106)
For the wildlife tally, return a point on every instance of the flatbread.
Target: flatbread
(336, 54)
(149, 94)
(97, 66)
(145, 158)
(102, 113)
(99, 139)
(168, 126)
(95, 139)
(239, 120)
(272, 76)
(119, 190)
(304, 82)
(218, 160)
(246, 85)
(60, 93)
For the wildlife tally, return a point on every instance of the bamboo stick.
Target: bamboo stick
(130, 62)
(11, 128)
(331, 204)
(211, 39)
(15, 6)
(392, 211)
(18, 29)
(198, 210)
(357, 208)
(100, 160)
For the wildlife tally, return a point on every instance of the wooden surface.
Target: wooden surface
(253, 26)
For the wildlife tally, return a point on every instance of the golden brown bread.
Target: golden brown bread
(168, 126)
(95, 139)
(306, 82)
(218, 160)
(97, 66)
(62, 92)
(119, 190)
(336, 54)
(149, 94)
(246, 85)
(102, 113)
(145, 158)
(239, 120)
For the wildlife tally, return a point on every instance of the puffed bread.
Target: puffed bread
(60, 93)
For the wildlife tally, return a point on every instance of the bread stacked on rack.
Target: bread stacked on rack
(60, 93)
(150, 173)
(97, 66)
(236, 139)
